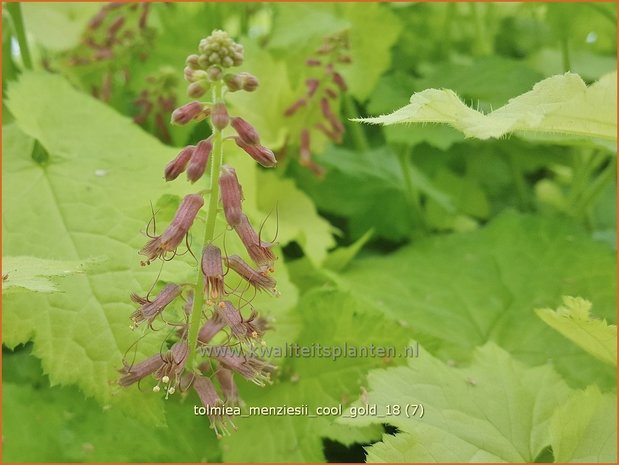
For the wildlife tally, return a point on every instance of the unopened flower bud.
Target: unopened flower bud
(250, 82)
(197, 89)
(245, 131)
(192, 61)
(261, 154)
(188, 74)
(186, 113)
(313, 62)
(214, 73)
(199, 159)
(233, 82)
(178, 165)
(219, 116)
(231, 195)
(344, 59)
(203, 61)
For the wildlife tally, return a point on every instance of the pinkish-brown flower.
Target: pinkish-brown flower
(176, 232)
(178, 165)
(134, 373)
(261, 154)
(241, 328)
(249, 367)
(259, 251)
(199, 159)
(148, 310)
(246, 131)
(212, 402)
(212, 269)
(166, 368)
(228, 386)
(187, 113)
(231, 195)
(210, 329)
(260, 281)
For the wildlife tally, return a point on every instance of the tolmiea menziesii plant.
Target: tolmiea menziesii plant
(197, 358)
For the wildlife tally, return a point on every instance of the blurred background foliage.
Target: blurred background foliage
(388, 234)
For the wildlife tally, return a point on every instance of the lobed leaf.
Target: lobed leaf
(574, 321)
(561, 104)
(584, 429)
(466, 289)
(495, 410)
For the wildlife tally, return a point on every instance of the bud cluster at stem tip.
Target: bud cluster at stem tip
(217, 53)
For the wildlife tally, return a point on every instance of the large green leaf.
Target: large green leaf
(495, 410)
(560, 104)
(584, 429)
(574, 321)
(470, 288)
(329, 319)
(89, 199)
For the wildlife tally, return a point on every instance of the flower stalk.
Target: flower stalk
(209, 231)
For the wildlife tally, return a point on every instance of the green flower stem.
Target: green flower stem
(356, 131)
(565, 55)
(593, 190)
(209, 232)
(411, 191)
(14, 10)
